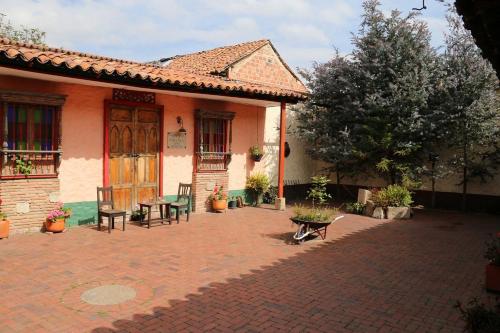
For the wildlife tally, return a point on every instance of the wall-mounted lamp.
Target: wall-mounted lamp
(181, 124)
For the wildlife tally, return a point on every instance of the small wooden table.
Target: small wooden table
(164, 208)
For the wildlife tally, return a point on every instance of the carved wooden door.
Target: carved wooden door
(133, 155)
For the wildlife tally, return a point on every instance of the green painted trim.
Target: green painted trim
(247, 196)
(84, 212)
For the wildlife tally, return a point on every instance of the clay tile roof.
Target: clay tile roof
(82, 65)
(214, 61)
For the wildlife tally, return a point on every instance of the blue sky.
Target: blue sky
(303, 31)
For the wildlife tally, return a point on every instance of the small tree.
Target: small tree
(22, 34)
(470, 100)
(317, 193)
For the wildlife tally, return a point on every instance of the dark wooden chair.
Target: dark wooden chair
(183, 200)
(106, 208)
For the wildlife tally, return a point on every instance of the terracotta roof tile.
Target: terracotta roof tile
(164, 78)
(214, 61)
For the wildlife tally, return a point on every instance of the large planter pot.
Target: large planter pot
(493, 278)
(399, 213)
(4, 228)
(232, 204)
(55, 226)
(219, 205)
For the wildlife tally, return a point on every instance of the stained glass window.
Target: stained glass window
(30, 127)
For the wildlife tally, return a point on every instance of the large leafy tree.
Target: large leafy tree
(470, 105)
(21, 34)
(328, 121)
(367, 110)
(395, 63)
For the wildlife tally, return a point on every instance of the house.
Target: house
(71, 121)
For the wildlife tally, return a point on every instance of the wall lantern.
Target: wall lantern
(287, 149)
(180, 122)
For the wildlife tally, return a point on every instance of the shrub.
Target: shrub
(479, 318)
(393, 196)
(258, 183)
(493, 251)
(324, 214)
(317, 193)
(355, 208)
(271, 194)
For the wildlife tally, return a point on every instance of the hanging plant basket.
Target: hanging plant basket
(256, 153)
(257, 158)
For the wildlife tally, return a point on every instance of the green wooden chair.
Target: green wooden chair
(183, 201)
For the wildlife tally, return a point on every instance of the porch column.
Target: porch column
(280, 201)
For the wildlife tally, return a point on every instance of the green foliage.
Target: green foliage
(255, 151)
(258, 183)
(493, 251)
(22, 34)
(23, 167)
(3, 216)
(479, 318)
(218, 193)
(271, 194)
(355, 208)
(470, 103)
(317, 193)
(314, 214)
(392, 196)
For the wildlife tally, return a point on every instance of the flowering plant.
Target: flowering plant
(59, 212)
(218, 193)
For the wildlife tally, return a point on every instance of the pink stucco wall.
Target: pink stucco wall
(82, 136)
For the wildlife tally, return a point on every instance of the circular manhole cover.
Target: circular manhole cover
(109, 294)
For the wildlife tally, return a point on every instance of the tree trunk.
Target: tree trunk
(338, 184)
(433, 178)
(464, 190)
(465, 175)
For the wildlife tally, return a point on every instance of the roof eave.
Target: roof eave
(102, 76)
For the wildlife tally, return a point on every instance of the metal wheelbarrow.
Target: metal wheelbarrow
(307, 228)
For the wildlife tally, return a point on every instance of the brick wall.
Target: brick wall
(264, 66)
(203, 184)
(28, 201)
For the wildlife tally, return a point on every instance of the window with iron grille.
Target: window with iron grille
(30, 132)
(213, 140)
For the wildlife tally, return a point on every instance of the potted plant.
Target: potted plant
(493, 267)
(479, 317)
(218, 198)
(136, 214)
(256, 153)
(56, 219)
(394, 201)
(258, 183)
(232, 203)
(4, 226)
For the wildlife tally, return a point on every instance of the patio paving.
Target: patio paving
(238, 272)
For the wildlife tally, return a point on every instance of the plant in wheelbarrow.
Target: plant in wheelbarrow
(316, 219)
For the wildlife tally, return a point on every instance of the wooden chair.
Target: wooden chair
(183, 200)
(106, 208)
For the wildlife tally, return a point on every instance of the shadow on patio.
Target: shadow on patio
(400, 276)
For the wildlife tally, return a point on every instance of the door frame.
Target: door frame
(108, 103)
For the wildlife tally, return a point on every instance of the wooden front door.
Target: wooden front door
(134, 142)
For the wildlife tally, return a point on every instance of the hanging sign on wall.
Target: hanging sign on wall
(176, 140)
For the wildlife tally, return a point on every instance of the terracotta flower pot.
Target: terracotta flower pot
(55, 226)
(218, 205)
(493, 277)
(4, 228)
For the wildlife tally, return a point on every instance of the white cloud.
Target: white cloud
(299, 33)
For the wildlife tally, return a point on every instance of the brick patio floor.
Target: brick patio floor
(238, 272)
